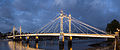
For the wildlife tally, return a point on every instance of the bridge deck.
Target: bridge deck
(68, 34)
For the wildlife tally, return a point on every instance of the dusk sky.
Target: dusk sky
(33, 14)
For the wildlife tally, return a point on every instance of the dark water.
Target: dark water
(48, 45)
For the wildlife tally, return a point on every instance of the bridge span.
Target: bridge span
(68, 34)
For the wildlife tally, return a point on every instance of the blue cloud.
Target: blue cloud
(34, 14)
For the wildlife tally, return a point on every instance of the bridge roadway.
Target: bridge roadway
(67, 34)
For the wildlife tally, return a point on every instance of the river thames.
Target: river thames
(48, 45)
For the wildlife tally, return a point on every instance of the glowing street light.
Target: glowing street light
(118, 29)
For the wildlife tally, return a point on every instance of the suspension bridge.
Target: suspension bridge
(66, 25)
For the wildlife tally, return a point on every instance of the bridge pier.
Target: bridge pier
(37, 38)
(69, 45)
(27, 39)
(61, 40)
(20, 38)
(61, 47)
(70, 38)
(14, 38)
(70, 42)
(116, 47)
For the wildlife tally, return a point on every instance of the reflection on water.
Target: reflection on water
(36, 45)
(27, 45)
(20, 46)
(61, 45)
(51, 45)
(14, 45)
(69, 45)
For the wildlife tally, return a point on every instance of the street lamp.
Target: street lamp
(118, 29)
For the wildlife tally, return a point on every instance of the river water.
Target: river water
(48, 45)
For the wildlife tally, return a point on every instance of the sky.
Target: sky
(33, 14)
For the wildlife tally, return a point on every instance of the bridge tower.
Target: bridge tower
(27, 39)
(20, 33)
(13, 32)
(70, 38)
(61, 37)
(61, 23)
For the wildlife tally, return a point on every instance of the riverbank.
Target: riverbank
(105, 45)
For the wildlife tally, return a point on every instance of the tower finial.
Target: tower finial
(61, 11)
(69, 15)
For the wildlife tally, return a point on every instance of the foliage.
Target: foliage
(112, 27)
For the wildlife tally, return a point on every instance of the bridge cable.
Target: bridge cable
(47, 27)
(51, 26)
(78, 28)
(87, 28)
(47, 24)
(90, 26)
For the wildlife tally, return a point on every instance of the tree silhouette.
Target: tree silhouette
(1, 34)
(112, 27)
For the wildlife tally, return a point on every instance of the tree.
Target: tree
(0, 34)
(112, 27)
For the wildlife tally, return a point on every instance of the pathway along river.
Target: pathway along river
(48, 45)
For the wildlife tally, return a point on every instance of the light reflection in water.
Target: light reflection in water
(14, 45)
(25, 46)
(20, 46)
(51, 45)
(36, 45)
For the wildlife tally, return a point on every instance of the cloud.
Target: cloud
(34, 14)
